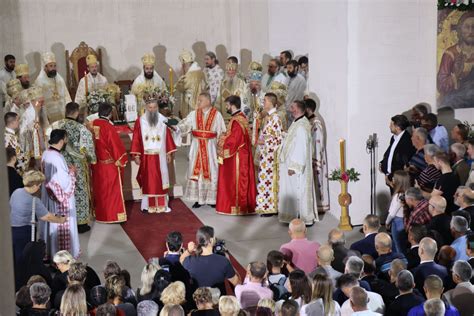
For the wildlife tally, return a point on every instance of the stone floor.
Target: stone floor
(248, 238)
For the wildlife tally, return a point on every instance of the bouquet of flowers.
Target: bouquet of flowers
(346, 176)
(96, 97)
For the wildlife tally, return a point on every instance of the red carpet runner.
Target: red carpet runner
(148, 231)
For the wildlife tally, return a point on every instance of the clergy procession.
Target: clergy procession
(255, 143)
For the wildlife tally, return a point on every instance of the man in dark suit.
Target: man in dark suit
(415, 235)
(427, 251)
(400, 150)
(464, 198)
(370, 228)
(407, 298)
(337, 240)
(440, 221)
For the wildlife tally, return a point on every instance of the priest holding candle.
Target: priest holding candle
(91, 81)
(297, 197)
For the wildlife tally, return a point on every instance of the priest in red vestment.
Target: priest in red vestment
(107, 173)
(236, 188)
(153, 148)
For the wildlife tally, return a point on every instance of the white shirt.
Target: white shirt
(375, 304)
(366, 313)
(395, 210)
(396, 140)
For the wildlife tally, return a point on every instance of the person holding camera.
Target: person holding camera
(206, 267)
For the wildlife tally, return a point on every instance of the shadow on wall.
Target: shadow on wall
(59, 51)
(161, 65)
(34, 61)
(446, 116)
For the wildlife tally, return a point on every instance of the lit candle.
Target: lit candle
(342, 144)
(85, 79)
(171, 81)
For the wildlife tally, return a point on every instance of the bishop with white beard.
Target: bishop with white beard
(152, 149)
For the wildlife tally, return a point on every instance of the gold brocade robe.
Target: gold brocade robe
(236, 86)
(56, 95)
(190, 86)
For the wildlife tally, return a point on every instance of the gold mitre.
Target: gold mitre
(148, 59)
(22, 69)
(24, 96)
(91, 59)
(35, 93)
(48, 58)
(186, 57)
(231, 66)
(13, 87)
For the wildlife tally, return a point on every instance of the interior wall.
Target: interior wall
(375, 60)
(125, 30)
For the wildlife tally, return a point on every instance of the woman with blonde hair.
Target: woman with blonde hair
(73, 302)
(21, 217)
(172, 310)
(229, 306)
(400, 183)
(148, 275)
(174, 294)
(323, 290)
(268, 303)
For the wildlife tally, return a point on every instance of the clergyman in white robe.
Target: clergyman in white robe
(297, 197)
(94, 83)
(57, 194)
(55, 93)
(200, 188)
(141, 83)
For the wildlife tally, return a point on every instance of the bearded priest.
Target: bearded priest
(236, 188)
(55, 93)
(152, 149)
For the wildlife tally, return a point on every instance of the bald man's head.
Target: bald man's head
(297, 228)
(383, 243)
(427, 249)
(437, 205)
(325, 255)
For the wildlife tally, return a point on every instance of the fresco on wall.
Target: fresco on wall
(455, 59)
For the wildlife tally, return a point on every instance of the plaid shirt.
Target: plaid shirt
(419, 215)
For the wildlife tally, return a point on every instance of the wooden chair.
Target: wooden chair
(76, 65)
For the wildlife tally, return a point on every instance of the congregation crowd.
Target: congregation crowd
(418, 263)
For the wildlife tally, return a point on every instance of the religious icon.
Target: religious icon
(455, 79)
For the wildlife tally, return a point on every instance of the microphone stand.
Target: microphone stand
(371, 147)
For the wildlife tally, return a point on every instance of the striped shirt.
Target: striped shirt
(418, 160)
(428, 177)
